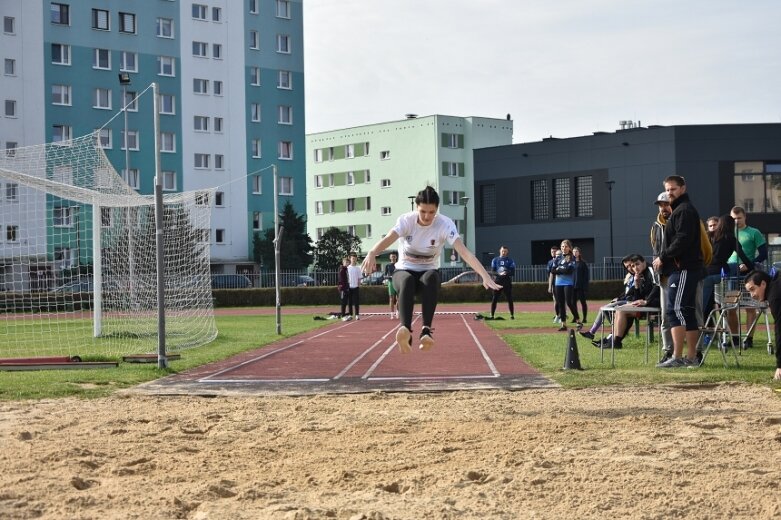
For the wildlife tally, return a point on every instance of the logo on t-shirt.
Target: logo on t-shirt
(433, 242)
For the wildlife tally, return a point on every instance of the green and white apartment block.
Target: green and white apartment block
(361, 179)
(231, 83)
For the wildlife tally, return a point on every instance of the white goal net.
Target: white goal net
(78, 270)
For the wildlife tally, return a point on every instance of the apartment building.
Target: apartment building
(231, 98)
(361, 179)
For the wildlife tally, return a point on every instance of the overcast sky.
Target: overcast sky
(560, 67)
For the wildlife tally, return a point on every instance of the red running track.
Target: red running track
(362, 356)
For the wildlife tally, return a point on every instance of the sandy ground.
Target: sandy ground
(653, 453)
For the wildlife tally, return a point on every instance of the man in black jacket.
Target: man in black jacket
(681, 262)
(763, 288)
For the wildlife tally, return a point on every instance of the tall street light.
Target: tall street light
(411, 202)
(610, 213)
(124, 80)
(464, 201)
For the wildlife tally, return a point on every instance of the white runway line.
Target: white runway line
(364, 353)
(429, 378)
(384, 354)
(487, 358)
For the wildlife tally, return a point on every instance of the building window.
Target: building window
(199, 11)
(385, 155)
(12, 192)
(64, 258)
(130, 101)
(61, 217)
(256, 221)
(283, 9)
(217, 87)
(168, 142)
(254, 40)
(201, 123)
(8, 25)
(350, 178)
(219, 161)
(166, 66)
(452, 140)
(128, 61)
(253, 6)
(540, 200)
(200, 49)
(61, 94)
(60, 14)
(200, 86)
(285, 115)
(319, 155)
(165, 27)
(318, 181)
(255, 112)
(9, 68)
(216, 14)
(256, 185)
(219, 236)
(284, 80)
(102, 59)
(385, 211)
(100, 20)
(102, 98)
(758, 186)
(104, 138)
(319, 207)
(217, 51)
(256, 151)
(350, 205)
(283, 43)
(169, 181)
(219, 198)
(286, 185)
(105, 217)
(201, 160)
(127, 23)
(385, 183)
(61, 54)
(332, 206)
(218, 122)
(349, 151)
(285, 150)
(131, 141)
(62, 134)
(563, 198)
(132, 178)
(254, 76)
(10, 148)
(584, 197)
(167, 104)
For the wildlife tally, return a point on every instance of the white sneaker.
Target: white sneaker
(357, 317)
(392, 316)
(404, 339)
(347, 318)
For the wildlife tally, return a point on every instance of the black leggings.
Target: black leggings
(565, 295)
(580, 296)
(507, 288)
(406, 284)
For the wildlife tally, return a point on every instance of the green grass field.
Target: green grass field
(545, 351)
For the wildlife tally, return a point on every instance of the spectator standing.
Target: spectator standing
(555, 252)
(658, 248)
(724, 246)
(354, 278)
(762, 287)
(343, 284)
(564, 270)
(682, 263)
(393, 296)
(582, 276)
(422, 235)
(504, 267)
(755, 248)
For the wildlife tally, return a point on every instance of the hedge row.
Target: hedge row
(378, 294)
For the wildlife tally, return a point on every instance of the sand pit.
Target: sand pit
(652, 453)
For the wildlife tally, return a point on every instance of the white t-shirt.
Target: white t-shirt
(354, 276)
(420, 246)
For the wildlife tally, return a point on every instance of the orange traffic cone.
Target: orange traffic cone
(572, 359)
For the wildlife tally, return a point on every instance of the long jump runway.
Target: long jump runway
(362, 356)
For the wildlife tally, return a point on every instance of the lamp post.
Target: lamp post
(610, 213)
(464, 201)
(411, 202)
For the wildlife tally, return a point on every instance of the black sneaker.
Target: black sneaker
(667, 356)
(748, 342)
(699, 358)
(587, 334)
(426, 339)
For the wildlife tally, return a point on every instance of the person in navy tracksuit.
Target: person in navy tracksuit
(504, 267)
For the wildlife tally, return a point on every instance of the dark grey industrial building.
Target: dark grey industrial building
(532, 195)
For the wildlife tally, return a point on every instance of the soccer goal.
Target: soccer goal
(78, 268)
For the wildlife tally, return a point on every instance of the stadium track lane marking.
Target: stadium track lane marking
(367, 375)
(366, 352)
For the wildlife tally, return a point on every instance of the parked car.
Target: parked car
(305, 281)
(466, 277)
(76, 286)
(230, 281)
(376, 278)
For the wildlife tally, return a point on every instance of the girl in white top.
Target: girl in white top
(422, 234)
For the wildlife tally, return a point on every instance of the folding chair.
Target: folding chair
(716, 326)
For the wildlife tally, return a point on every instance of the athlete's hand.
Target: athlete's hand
(369, 264)
(488, 283)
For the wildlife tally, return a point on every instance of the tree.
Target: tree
(333, 246)
(296, 248)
